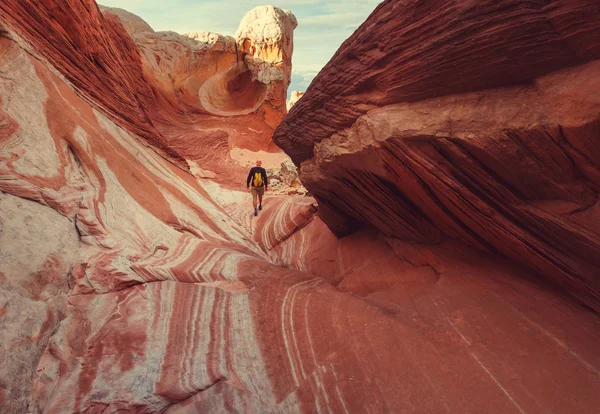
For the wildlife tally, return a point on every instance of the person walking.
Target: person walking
(257, 182)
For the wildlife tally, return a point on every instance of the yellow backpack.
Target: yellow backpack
(258, 182)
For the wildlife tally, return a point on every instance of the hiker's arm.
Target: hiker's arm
(249, 179)
(266, 180)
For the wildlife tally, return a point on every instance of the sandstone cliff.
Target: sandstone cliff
(475, 121)
(130, 284)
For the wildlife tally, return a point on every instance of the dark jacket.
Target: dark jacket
(262, 172)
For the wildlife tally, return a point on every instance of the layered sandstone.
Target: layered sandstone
(185, 96)
(469, 121)
(129, 284)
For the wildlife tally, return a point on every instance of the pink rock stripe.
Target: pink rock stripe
(281, 218)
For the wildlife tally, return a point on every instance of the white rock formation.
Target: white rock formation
(294, 98)
(265, 34)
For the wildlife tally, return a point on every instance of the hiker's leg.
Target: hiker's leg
(254, 195)
(260, 195)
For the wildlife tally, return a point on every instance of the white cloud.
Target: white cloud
(322, 24)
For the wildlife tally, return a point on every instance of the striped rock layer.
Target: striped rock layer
(128, 285)
(472, 121)
(186, 96)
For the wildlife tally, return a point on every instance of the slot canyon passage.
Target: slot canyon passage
(445, 259)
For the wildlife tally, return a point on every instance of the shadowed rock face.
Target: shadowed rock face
(471, 121)
(128, 284)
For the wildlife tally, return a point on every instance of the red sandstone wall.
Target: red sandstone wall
(412, 50)
(473, 121)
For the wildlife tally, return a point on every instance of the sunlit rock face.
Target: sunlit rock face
(470, 121)
(134, 279)
(265, 36)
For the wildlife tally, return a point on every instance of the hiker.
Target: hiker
(258, 178)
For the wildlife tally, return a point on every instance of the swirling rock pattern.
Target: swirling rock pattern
(129, 285)
(471, 121)
(191, 98)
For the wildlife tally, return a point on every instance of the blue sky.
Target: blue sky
(322, 24)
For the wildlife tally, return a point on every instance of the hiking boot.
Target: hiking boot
(255, 213)
(260, 207)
